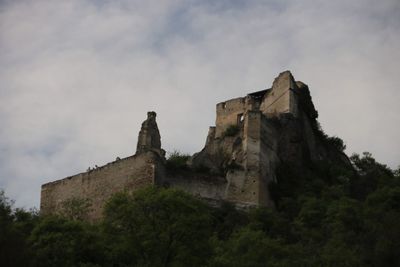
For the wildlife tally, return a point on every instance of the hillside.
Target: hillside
(326, 217)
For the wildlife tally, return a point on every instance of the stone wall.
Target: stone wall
(100, 184)
(228, 113)
(269, 159)
(275, 126)
(202, 185)
(249, 185)
(243, 184)
(281, 99)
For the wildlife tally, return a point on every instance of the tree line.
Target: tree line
(327, 217)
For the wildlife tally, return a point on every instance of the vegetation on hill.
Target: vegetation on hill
(327, 217)
(177, 161)
(232, 130)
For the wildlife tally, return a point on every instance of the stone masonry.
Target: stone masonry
(251, 137)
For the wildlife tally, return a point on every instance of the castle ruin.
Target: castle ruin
(252, 136)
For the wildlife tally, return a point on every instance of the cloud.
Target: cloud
(77, 77)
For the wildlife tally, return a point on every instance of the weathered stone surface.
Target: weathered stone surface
(252, 136)
(149, 136)
(281, 98)
(100, 184)
(275, 125)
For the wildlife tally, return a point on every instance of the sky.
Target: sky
(77, 77)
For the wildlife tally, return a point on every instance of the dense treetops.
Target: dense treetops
(327, 217)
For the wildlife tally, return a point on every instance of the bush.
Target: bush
(333, 140)
(158, 227)
(15, 228)
(76, 208)
(317, 221)
(336, 142)
(202, 169)
(177, 161)
(232, 130)
(58, 241)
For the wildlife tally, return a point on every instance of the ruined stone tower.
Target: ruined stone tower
(252, 136)
(250, 153)
(149, 137)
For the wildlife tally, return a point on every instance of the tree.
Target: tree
(336, 142)
(345, 230)
(372, 175)
(158, 227)
(252, 248)
(227, 219)
(177, 161)
(76, 208)
(382, 219)
(15, 227)
(58, 241)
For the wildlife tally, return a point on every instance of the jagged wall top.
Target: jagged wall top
(278, 99)
(149, 136)
(274, 126)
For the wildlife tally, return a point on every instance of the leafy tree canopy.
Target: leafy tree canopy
(325, 217)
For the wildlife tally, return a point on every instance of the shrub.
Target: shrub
(336, 142)
(177, 161)
(232, 130)
(202, 169)
(76, 208)
(158, 227)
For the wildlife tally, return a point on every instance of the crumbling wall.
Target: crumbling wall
(98, 185)
(203, 185)
(275, 126)
(249, 185)
(281, 99)
(149, 138)
(269, 159)
(243, 183)
(229, 113)
(218, 152)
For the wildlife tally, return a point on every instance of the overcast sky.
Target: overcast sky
(77, 77)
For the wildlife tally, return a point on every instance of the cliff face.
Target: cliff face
(252, 137)
(256, 133)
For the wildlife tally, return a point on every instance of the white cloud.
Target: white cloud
(77, 77)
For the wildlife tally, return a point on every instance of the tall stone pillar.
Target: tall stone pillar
(149, 136)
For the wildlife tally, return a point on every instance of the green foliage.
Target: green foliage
(231, 130)
(202, 169)
(158, 227)
(382, 219)
(367, 165)
(336, 142)
(15, 227)
(372, 175)
(326, 216)
(177, 161)
(396, 172)
(227, 219)
(254, 248)
(58, 241)
(76, 208)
